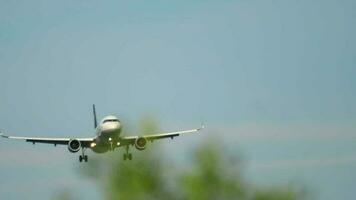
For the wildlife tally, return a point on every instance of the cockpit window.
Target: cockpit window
(111, 120)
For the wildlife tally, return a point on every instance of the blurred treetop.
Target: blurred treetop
(213, 175)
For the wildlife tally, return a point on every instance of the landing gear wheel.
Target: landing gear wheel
(127, 155)
(83, 156)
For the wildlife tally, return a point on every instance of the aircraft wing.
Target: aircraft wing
(129, 140)
(62, 141)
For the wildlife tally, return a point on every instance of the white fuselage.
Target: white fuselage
(107, 134)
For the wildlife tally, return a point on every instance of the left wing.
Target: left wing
(62, 141)
(128, 140)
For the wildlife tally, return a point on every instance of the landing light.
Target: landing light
(118, 143)
(92, 145)
(110, 139)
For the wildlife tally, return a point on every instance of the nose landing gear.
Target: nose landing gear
(111, 146)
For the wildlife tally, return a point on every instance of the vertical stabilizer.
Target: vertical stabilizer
(94, 113)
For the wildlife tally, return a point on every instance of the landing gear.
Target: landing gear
(127, 155)
(83, 156)
(111, 147)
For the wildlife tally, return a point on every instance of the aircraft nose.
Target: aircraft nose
(109, 127)
(117, 125)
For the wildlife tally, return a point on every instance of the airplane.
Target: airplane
(108, 137)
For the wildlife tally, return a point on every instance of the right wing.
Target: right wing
(130, 140)
(61, 141)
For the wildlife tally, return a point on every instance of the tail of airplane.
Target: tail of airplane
(94, 114)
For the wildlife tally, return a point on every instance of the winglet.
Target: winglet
(2, 135)
(201, 127)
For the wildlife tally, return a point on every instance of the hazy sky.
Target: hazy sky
(277, 78)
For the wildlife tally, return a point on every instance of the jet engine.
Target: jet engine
(140, 143)
(74, 145)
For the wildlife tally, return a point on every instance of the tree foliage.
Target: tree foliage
(212, 176)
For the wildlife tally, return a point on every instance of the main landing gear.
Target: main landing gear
(83, 156)
(127, 155)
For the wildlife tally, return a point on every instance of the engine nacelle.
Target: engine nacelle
(74, 145)
(140, 143)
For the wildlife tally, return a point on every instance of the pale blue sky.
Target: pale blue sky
(282, 70)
